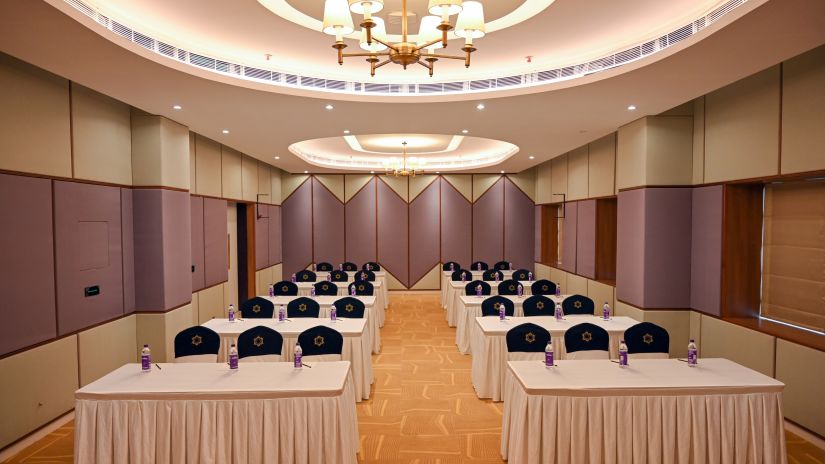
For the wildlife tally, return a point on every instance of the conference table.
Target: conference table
(379, 289)
(446, 277)
(654, 410)
(456, 289)
(205, 412)
(380, 276)
(468, 307)
(489, 345)
(357, 348)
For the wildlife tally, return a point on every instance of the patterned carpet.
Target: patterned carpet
(423, 408)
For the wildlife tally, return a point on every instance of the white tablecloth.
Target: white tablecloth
(356, 347)
(379, 290)
(455, 290)
(653, 411)
(380, 276)
(468, 308)
(489, 344)
(447, 275)
(261, 413)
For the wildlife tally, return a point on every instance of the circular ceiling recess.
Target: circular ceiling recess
(377, 152)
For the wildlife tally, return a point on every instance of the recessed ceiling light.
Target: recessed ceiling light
(631, 107)
(438, 172)
(502, 172)
(372, 172)
(177, 107)
(329, 107)
(532, 157)
(277, 157)
(464, 131)
(480, 106)
(346, 131)
(306, 172)
(225, 131)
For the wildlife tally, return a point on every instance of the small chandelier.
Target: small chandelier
(403, 167)
(432, 32)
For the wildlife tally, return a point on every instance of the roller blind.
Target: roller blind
(793, 275)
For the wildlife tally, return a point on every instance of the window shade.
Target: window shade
(793, 276)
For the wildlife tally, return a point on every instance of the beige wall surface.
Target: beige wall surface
(631, 146)
(249, 178)
(801, 369)
(577, 173)
(210, 303)
(803, 112)
(175, 160)
(699, 140)
(231, 173)
(107, 347)
(602, 167)
(722, 339)
(558, 186)
(102, 137)
(669, 155)
(160, 152)
(208, 173)
(544, 176)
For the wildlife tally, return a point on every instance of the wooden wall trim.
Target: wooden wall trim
(741, 250)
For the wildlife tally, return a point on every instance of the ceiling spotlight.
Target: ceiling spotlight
(225, 131)
(438, 172)
(329, 107)
(502, 172)
(346, 131)
(532, 157)
(277, 157)
(464, 131)
(177, 107)
(372, 172)
(480, 106)
(631, 107)
(306, 172)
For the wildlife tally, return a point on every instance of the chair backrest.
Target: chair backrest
(371, 266)
(338, 276)
(369, 276)
(303, 307)
(508, 287)
(479, 266)
(456, 275)
(320, 340)
(349, 266)
(285, 288)
(470, 288)
(578, 304)
(521, 274)
(491, 274)
(197, 340)
(490, 306)
(543, 287)
(305, 276)
(646, 337)
(538, 305)
(502, 266)
(586, 337)
(257, 308)
(259, 341)
(362, 288)
(323, 267)
(350, 307)
(527, 338)
(446, 266)
(326, 288)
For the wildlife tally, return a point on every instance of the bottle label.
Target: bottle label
(623, 358)
(548, 358)
(146, 362)
(231, 316)
(281, 316)
(233, 361)
(332, 314)
(692, 357)
(298, 363)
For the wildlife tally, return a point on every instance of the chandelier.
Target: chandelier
(432, 32)
(403, 167)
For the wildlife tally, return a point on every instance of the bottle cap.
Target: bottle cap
(146, 345)
(691, 340)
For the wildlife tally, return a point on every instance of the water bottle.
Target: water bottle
(693, 354)
(452, 267)
(530, 276)
(510, 266)
(498, 276)
(520, 290)
(352, 289)
(297, 355)
(363, 276)
(622, 354)
(478, 290)
(502, 314)
(333, 314)
(340, 267)
(479, 266)
(312, 291)
(559, 313)
(271, 291)
(294, 279)
(281, 314)
(314, 267)
(558, 291)
(231, 313)
(233, 357)
(463, 277)
(548, 355)
(606, 311)
(329, 277)
(146, 359)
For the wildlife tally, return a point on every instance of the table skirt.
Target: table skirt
(311, 429)
(723, 428)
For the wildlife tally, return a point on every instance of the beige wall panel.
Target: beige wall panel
(696, 327)
(102, 137)
(263, 279)
(393, 283)
(333, 182)
(576, 285)
(160, 152)
(803, 112)
(669, 150)
(107, 347)
(175, 160)
(544, 176)
(210, 303)
(795, 366)
(685, 109)
(174, 321)
(482, 183)
(526, 181)
(231, 173)
(677, 324)
(601, 293)
(559, 277)
(419, 183)
(196, 309)
(150, 329)
(275, 177)
(264, 182)
(742, 128)
(699, 140)
(34, 121)
(558, 185)
(462, 182)
(631, 149)
(542, 271)
(353, 183)
(38, 386)
(725, 340)
(624, 309)
(577, 173)
(208, 174)
(277, 273)
(602, 167)
(193, 173)
(399, 185)
(430, 281)
(290, 183)
(249, 178)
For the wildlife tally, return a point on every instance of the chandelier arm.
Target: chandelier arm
(367, 54)
(376, 39)
(382, 63)
(420, 47)
(432, 55)
(428, 66)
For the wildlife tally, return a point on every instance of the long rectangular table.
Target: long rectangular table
(490, 354)
(380, 276)
(655, 410)
(379, 288)
(456, 290)
(447, 275)
(356, 347)
(203, 412)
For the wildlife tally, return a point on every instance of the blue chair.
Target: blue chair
(490, 306)
(508, 287)
(303, 307)
(522, 275)
(587, 341)
(446, 266)
(260, 344)
(479, 266)
(321, 340)
(323, 267)
(338, 276)
(470, 288)
(578, 304)
(502, 266)
(305, 276)
(362, 288)
(368, 276)
(285, 288)
(646, 340)
(371, 266)
(350, 307)
(491, 274)
(456, 275)
(538, 305)
(527, 338)
(349, 266)
(543, 287)
(325, 288)
(197, 344)
(257, 308)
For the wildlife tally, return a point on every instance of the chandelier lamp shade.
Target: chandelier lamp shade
(404, 167)
(432, 33)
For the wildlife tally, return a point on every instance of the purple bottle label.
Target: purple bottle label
(501, 313)
(548, 358)
(293, 278)
(312, 291)
(623, 358)
(333, 314)
(233, 361)
(297, 362)
(478, 290)
(271, 291)
(558, 290)
(146, 362)
(352, 290)
(231, 316)
(606, 312)
(281, 314)
(692, 357)
(520, 290)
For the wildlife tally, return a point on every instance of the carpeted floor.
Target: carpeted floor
(423, 408)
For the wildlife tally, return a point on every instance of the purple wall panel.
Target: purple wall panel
(328, 225)
(361, 227)
(196, 212)
(424, 231)
(392, 233)
(261, 237)
(89, 252)
(177, 250)
(537, 223)
(519, 227)
(27, 272)
(128, 240)
(667, 248)
(296, 229)
(706, 249)
(488, 225)
(215, 242)
(456, 226)
(148, 222)
(586, 239)
(569, 233)
(274, 235)
(630, 249)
